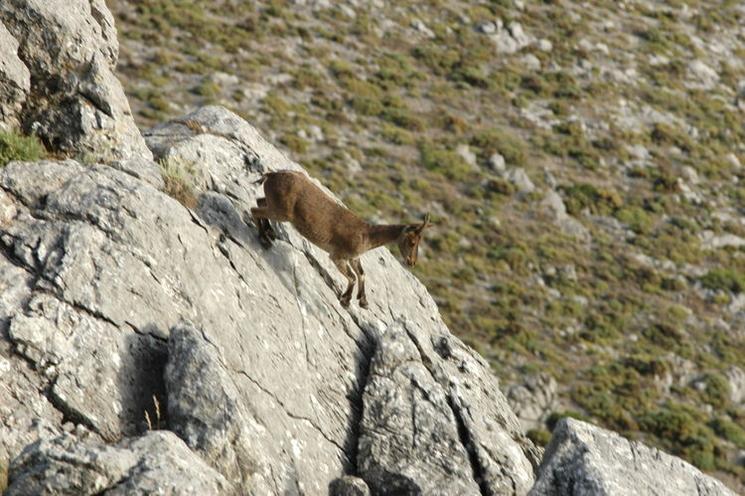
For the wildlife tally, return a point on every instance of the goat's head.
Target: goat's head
(408, 242)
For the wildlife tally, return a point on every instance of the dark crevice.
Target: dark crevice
(196, 220)
(357, 403)
(148, 334)
(96, 102)
(468, 443)
(464, 435)
(141, 379)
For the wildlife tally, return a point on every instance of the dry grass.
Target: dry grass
(149, 422)
(178, 177)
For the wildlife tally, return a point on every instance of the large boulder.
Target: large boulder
(57, 78)
(156, 463)
(409, 440)
(583, 459)
(101, 270)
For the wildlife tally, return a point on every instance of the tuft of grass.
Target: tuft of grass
(156, 406)
(18, 147)
(179, 181)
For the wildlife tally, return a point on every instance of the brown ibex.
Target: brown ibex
(290, 196)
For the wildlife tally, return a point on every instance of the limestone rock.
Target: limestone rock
(157, 463)
(409, 440)
(582, 459)
(533, 400)
(348, 486)
(736, 379)
(15, 81)
(554, 207)
(206, 411)
(520, 179)
(75, 103)
(497, 163)
(511, 39)
(100, 269)
(701, 75)
(465, 152)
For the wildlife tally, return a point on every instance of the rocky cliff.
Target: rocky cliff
(150, 346)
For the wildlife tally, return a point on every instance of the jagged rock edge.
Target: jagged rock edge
(464, 435)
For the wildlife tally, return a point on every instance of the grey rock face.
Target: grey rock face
(348, 486)
(520, 179)
(409, 440)
(736, 380)
(533, 400)
(586, 460)
(74, 102)
(15, 81)
(553, 206)
(206, 411)
(157, 463)
(99, 268)
(510, 39)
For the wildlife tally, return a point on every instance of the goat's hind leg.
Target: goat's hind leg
(360, 272)
(345, 268)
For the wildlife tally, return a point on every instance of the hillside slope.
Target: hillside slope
(582, 161)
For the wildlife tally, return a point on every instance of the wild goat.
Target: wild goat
(290, 196)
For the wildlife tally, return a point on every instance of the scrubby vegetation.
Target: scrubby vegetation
(15, 146)
(410, 107)
(178, 179)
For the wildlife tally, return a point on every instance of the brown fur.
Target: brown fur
(293, 197)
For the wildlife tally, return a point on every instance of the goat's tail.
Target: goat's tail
(261, 179)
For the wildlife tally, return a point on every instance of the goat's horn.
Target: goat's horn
(425, 222)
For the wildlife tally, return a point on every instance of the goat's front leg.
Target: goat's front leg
(360, 272)
(346, 270)
(261, 215)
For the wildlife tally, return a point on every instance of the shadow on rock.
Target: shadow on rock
(143, 391)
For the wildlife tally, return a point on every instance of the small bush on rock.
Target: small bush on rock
(179, 181)
(18, 147)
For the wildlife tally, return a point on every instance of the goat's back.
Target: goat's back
(314, 214)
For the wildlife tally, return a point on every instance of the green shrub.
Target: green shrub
(554, 418)
(294, 143)
(731, 431)
(636, 218)
(685, 431)
(724, 279)
(599, 201)
(540, 437)
(511, 147)
(18, 147)
(443, 161)
(717, 390)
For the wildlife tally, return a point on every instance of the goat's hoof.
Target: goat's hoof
(363, 304)
(344, 303)
(266, 242)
